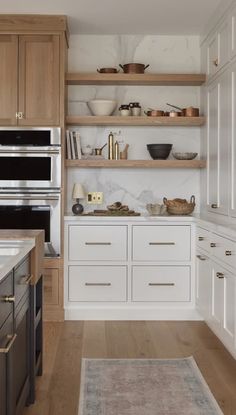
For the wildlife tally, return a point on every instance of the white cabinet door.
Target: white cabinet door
(218, 144)
(212, 55)
(203, 285)
(218, 49)
(233, 33)
(233, 142)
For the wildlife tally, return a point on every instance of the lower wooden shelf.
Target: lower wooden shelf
(151, 164)
(89, 120)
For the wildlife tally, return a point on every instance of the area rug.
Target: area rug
(144, 387)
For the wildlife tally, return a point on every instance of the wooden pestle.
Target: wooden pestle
(124, 153)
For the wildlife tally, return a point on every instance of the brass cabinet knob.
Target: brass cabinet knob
(214, 206)
(215, 62)
(220, 275)
(9, 298)
(228, 253)
(200, 238)
(212, 244)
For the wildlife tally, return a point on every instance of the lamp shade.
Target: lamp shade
(78, 191)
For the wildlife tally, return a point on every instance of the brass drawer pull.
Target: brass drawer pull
(11, 340)
(9, 299)
(161, 284)
(161, 243)
(200, 238)
(97, 243)
(220, 275)
(98, 284)
(212, 244)
(214, 206)
(26, 279)
(215, 62)
(228, 253)
(201, 257)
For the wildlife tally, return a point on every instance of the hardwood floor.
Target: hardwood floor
(66, 343)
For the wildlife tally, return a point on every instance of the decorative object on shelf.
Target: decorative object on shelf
(98, 151)
(135, 108)
(102, 107)
(174, 113)
(87, 150)
(156, 209)
(186, 112)
(107, 70)
(117, 155)
(124, 153)
(184, 155)
(154, 113)
(159, 151)
(73, 145)
(111, 146)
(78, 193)
(125, 110)
(134, 67)
(116, 209)
(180, 206)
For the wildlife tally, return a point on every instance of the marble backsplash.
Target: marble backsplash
(136, 187)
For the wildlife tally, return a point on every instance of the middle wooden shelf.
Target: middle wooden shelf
(152, 164)
(90, 120)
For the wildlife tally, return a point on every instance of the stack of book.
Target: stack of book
(73, 145)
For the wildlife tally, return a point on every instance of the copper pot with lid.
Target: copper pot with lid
(134, 67)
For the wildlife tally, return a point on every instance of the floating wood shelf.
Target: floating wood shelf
(138, 121)
(152, 164)
(84, 78)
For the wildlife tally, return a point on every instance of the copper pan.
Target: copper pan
(134, 67)
(186, 112)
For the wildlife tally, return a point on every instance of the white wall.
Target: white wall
(170, 54)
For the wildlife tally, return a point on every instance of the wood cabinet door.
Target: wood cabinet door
(51, 286)
(39, 72)
(8, 79)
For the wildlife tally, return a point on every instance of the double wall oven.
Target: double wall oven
(30, 182)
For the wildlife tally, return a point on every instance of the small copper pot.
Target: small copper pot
(107, 70)
(154, 113)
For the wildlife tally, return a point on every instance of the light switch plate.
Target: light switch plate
(95, 198)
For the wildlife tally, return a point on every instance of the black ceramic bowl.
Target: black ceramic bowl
(159, 151)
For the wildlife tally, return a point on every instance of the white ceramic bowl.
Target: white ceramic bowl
(184, 156)
(102, 106)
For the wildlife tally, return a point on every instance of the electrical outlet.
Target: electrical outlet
(94, 198)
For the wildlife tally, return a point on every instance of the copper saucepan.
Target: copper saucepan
(187, 112)
(107, 70)
(134, 67)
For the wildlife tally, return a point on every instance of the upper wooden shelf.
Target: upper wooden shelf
(139, 121)
(120, 78)
(153, 164)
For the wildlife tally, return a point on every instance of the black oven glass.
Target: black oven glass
(26, 217)
(25, 168)
(25, 137)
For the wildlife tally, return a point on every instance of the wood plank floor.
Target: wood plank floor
(66, 343)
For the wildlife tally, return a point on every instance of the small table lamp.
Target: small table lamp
(78, 193)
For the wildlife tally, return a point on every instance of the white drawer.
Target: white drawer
(97, 283)
(224, 249)
(203, 239)
(97, 243)
(161, 283)
(161, 243)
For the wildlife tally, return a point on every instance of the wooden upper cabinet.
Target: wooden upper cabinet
(39, 77)
(8, 79)
(29, 80)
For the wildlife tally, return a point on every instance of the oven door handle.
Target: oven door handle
(28, 197)
(40, 151)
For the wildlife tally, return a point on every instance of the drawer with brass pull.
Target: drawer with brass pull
(6, 298)
(97, 243)
(223, 249)
(22, 279)
(161, 283)
(97, 283)
(161, 243)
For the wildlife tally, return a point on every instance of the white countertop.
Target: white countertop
(12, 252)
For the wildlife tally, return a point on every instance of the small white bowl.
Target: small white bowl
(184, 156)
(102, 106)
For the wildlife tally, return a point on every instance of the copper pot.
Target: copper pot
(187, 112)
(134, 67)
(107, 70)
(154, 113)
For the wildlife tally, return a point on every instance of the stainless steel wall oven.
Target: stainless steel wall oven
(30, 182)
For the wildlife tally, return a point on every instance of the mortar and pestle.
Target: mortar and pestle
(98, 151)
(124, 153)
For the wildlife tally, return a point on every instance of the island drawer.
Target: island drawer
(22, 278)
(223, 249)
(97, 283)
(161, 283)
(6, 297)
(161, 243)
(97, 243)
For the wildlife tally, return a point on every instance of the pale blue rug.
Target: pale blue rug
(144, 387)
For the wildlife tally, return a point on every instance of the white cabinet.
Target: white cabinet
(232, 184)
(203, 285)
(203, 239)
(129, 268)
(218, 144)
(161, 243)
(223, 304)
(218, 49)
(233, 33)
